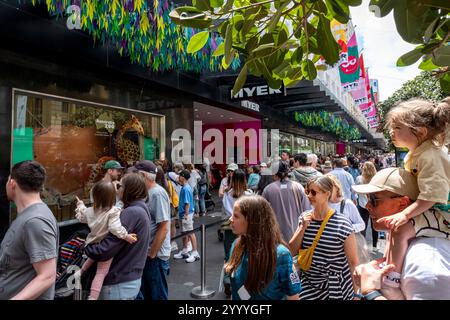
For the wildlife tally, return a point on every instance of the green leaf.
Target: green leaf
(202, 5)
(190, 17)
(427, 65)
(309, 70)
(353, 3)
(409, 26)
(273, 83)
(338, 10)
(381, 8)
(445, 83)
(430, 30)
(228, 44)
(443, 4)
(220, 50)
(297, 56)
(282, 37)
(326, 41)
(410, 58)
(441, 57)
(263, 49)
(276, 17)
(216, 3)
(241, 79)
(197, 41)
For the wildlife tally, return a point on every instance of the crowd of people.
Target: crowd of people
(294, 227)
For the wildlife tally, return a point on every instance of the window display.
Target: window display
(73, 140)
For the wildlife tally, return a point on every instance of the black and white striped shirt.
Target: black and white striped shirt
(329, 275)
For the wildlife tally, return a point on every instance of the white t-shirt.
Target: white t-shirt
(426, 270)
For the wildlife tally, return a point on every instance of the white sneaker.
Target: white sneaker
(173, 246)
(192, 258)
(181, 255)
(189, 246)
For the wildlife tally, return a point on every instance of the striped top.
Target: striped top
(329, 275)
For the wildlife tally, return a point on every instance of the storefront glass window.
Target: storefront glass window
(286, 142)
(73, 140)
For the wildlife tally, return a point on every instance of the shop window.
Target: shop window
(73, 140)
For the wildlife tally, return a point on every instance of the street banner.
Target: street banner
(349, 69)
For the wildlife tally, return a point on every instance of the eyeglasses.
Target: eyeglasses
(312, 192)
(373, 200)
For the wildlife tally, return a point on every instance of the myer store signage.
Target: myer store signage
(255, 91)
(250, 105)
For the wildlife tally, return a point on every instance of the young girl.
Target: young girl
(423, 128)
(102, 218)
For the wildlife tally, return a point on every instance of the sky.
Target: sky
(382, 47)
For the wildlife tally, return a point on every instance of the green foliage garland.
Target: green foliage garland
(327, 122)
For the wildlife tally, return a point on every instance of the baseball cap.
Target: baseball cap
(147, 166)
(396, 180)
(232, 167)
(263, 164)
(185, 174)
(112, 164)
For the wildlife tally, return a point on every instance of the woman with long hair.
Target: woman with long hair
(334, 255)
(236, 189)
(260, 264)
(367, 172)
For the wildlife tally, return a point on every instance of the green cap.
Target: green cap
(112, 164)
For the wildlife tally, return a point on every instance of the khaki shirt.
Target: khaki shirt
(431, 166)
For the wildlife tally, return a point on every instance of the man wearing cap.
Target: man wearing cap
(113, 171)
(154, 284)
(287, 199)
(426, 268)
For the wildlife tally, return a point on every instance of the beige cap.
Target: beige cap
(232, 167)
(396, 180)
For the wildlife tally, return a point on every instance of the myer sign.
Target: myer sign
(250, 105)
(255, 91)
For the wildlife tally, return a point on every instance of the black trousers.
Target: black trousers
(365, 216)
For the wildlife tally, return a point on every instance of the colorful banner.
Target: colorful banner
(349, 70)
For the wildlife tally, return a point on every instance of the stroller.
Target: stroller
(71, 258)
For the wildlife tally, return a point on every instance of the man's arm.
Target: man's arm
(160, 236)
(45, 278)
(105, 249)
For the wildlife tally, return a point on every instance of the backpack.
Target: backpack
(173, 195)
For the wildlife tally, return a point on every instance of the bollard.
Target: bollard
(203, 292)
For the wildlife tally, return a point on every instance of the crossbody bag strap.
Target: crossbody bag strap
(342, 206)
(296, 190)
(322, 227)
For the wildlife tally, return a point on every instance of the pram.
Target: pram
(71, 258)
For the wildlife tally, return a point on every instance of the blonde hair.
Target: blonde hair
(323, 182)
(418, 113)
(368, 171)
(336, 185)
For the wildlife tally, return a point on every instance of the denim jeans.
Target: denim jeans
(154, 284)
(121, 291)
(202, 193)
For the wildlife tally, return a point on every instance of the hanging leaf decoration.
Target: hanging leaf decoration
(143, 31)
(327, 122)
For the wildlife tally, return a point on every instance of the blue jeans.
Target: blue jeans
(121, 291)
(154, 284)
(202, 193)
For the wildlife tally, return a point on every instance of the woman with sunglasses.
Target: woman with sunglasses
(335, 256)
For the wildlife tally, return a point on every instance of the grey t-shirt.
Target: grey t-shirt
(159, 206)
(32, 237)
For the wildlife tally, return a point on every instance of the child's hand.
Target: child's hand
(394, 221)
(79, 202)
(131, 238)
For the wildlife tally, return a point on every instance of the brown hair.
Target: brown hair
(418, 113)
(134, 188)
(368, 171)
(238, 183)
(104, 195)
(259, 243)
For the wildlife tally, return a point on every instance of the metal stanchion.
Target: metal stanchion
(203, 292)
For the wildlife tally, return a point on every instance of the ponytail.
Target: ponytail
(441, 119)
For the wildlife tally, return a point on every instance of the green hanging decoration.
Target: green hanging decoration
(143, 31)
(327, 122)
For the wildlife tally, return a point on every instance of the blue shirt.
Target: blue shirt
(253, 180)
(285, 281)
(347, 182)
(186, 196)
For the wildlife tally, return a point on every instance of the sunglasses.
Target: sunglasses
(373, 200)
(312, 192)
